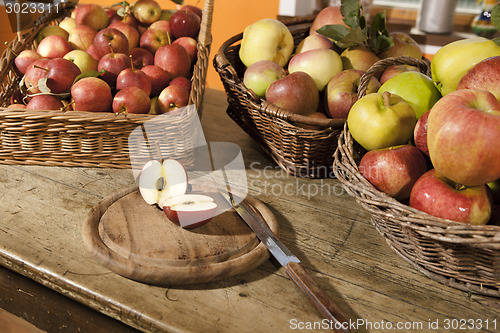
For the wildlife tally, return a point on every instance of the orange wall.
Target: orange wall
(230, 17)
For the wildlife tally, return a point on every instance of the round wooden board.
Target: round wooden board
(136, 240)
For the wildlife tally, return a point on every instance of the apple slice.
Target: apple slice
(159, 180)
(189, 210)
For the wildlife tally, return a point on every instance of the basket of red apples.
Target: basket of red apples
(75, 85)
(422, 156)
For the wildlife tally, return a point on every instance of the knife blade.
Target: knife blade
(321, 301)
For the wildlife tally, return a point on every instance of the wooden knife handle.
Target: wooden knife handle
(321, 301)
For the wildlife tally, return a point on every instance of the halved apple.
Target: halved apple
(159, 180)
(189, 210)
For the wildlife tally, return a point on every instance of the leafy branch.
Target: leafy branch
(495, 19)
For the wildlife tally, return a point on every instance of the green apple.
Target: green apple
(51, 30)
(415, 88)
(452, 61)
(84, 61)
(321, 64)
(68, 23)
(381, 120)
(261, 74)
(266, 39)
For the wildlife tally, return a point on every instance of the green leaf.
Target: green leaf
(89, 74)
(495, 16)
(334, 31)
(179, 2)
(350, 9)
(381, 43)
(122, 4)
(355, 37)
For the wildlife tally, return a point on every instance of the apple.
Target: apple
(394, 70)
(463, 136)
(129, 31)
(438, 196)
(184, 23)
(266, 39)
(162, 180)
(181, 81)
(327, 16)
(485, 75)
(320, 64)
(141, 57)
(82, 37)
(44, 102)
(416, 88)
(113, 64)
(53, 46)
(296, 92)
(191, 46)
(16, 106)
(153, 39)
(84, 61)
(68, 24)
(91, 94)
(194, 9)
(315, 41)
(259, 75)
(36, 71)
(189, 210)
(132, 77)
(131, 100)
(111, 40)
(94, 53)
(452, 61)
(18, 97)
(166, 14)
(24, 59)
(393, 170)
(342, 92)
(404, 46)
(358, 57)
(381, 120)
(160, 25)
(127, 18)
(158, 78)
(61, 75)
(420, 133)
(51, 30)
(146, 11)
(172, 98)
(174, 59)
(92, 15)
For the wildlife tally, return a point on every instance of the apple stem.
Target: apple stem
(131, 63)
(387, 98)
(111, 47)
(10, 49)
(45, 69)
(168, 38)
(65, 106)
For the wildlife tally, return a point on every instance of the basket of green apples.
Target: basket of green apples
(422, 156)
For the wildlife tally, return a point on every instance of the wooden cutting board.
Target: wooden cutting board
(136, 240)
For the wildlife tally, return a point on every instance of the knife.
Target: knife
(324, 304)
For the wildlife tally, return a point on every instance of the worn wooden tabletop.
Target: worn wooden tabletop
(43, 209)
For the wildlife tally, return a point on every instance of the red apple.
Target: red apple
(185, 23)
(420, 133)
(191, 46)
(18, 98)
(113, 64)
(404, 45)
(92, 15)
(36, 71)
(174, 59)
(172, 98)
(438, 196)
(181, 81)
(24, 59)
(131, 77)
(485, 75)
(16, 106)
(315, 41)
(61, 74)
(153, 39)
(342, 92)
(44, 102)
(141, 57)
(463, 136)
(160, 25)
(189, 210)
(127, 18)
(328, 15)
(53, 46)
(297, 92)
(131, 100)
(91, 94)
(196, 10)
(129, 31)
(82, 37)
(158, 77)
(111, 40)
(393, 170)
(146, 11)
(92, 50)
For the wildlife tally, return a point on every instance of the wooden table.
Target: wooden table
(50, 280)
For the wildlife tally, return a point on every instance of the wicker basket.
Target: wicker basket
(462, 256)
(78, 138)
(300, 152)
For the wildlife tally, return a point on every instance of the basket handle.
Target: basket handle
(221, 61)
(205, 34)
